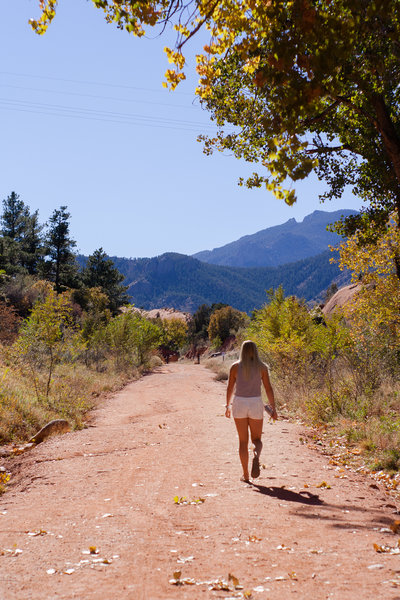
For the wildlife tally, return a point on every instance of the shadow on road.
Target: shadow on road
(282, 494)
(344, 517)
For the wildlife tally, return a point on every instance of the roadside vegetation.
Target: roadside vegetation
(67, 334)
(301, 103)
(338, 372)
(342, 371)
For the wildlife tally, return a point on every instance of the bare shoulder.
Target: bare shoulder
(264, 370)
(234, 367)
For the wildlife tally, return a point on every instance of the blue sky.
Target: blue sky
(86, 123)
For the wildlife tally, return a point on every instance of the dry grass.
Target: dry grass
(368, 417)
(219, 367)
(74, 391)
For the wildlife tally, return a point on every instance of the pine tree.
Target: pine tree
(22, 243)
(60, 266)
(13, 222)
(101, 272)
(32, 249)
(14, 217)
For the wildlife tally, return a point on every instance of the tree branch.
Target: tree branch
(321, 115)
(326, 149)
(360, 111)
(199, 25)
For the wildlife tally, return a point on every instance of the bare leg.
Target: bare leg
(256, 432)
(242, 426)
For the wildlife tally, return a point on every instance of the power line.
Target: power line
(96, 96)
(101, 115)
(102, 112)
(86, 82)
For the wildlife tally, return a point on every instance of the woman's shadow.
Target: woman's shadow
(289, 496)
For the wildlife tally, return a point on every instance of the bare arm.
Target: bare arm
(269, 391)
(229, 389)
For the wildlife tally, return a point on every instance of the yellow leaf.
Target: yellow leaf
(395, 526)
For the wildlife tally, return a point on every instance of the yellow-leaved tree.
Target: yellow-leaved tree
(374, 313)
(48, 337)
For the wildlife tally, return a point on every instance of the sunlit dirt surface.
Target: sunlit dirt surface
(152, 488)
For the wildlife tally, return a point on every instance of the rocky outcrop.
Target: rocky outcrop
(343, 296)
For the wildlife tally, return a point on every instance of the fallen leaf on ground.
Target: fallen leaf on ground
(282, 547)
(220, 585)
(387, 549)
(184, 500)
(36, 533)
(395, 526)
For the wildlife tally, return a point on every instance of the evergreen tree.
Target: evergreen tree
(100, 272)
(60, 266)
(22, 244)
(32, 249)
(14, 217)
(13, 221)
(199, 323)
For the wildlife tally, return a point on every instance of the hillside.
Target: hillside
(278, 245)
(183, 282)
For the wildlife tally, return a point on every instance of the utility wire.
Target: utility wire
(102, 115)
(96, 96)
(100, 83)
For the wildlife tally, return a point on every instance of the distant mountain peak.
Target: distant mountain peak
(280, 244)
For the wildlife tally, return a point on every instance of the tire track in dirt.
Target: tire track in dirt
(112, 486)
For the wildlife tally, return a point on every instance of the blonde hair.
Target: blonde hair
(249, 359)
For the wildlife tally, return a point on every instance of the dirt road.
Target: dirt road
(91, 514)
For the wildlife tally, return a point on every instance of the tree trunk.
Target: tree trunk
(391, 140)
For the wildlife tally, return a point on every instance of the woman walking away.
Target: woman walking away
(247, 407)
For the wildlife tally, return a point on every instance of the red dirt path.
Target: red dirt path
(112, 486)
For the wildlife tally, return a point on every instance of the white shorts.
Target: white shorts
(251, 408)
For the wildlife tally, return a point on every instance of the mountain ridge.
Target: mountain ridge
(280, 244)
(184, 283)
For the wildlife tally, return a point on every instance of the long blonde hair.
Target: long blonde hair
(249, 359)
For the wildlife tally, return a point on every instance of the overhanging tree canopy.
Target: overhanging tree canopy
(309, 85)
